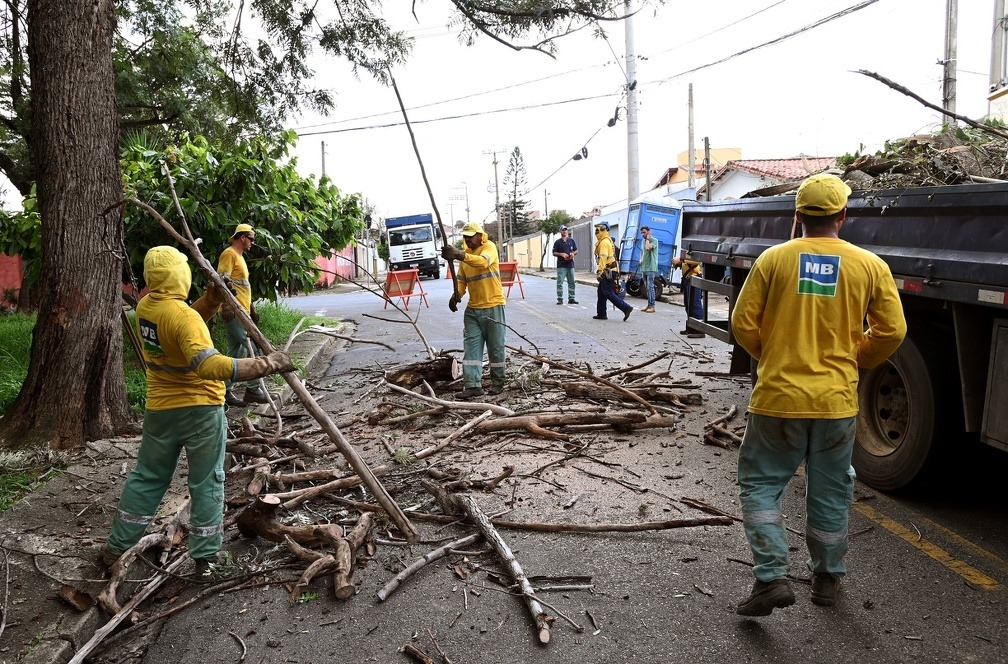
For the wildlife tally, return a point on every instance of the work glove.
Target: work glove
(254, 315)
(208, 304)
(449, 252)
(453, 302)
(265, 365)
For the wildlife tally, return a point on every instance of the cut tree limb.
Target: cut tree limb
(479, 518)
(423, 561)
(441, 368)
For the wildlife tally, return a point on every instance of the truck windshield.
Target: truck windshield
(409, 236)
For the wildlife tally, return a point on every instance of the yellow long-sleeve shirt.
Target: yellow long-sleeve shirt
(183, 367)
(801, 314)
(479, 274)
(605, 251)
(233, 264)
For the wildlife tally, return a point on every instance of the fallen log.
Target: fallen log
(478, 517)
(107, 598)
(443, 368)
(318, 562)
(583, 390)
(538, 422)
(259, 520)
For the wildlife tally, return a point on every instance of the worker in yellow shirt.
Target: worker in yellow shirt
(185, 395)
(607, 271)
(801, 314)
(234, 270)
(484, 322)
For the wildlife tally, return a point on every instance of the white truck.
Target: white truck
(414, 244)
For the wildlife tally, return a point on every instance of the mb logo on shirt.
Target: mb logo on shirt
(818, 275)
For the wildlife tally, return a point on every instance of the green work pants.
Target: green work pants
(772, 450)
(483, 327)
(201, 431)
(565, 274)
(237, 337)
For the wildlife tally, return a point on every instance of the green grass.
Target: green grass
(15, 346)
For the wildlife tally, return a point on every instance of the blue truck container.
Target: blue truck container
(663, 220)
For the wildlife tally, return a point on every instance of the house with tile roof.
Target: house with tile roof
(741, 176)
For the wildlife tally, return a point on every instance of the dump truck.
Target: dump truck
(947, 247)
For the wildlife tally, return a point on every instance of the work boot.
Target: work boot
(571, 301)
(205, 569)
(825, 588)
(559, 301)
(649, 310)
(106, 559)
(600, 317)
(232, 399)
(765, 597)
(496, 388)
(626, 314)
(471, 392)
(256, 395)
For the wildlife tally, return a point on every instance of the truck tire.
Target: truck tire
(898, 429)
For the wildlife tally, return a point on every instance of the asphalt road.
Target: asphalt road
(928, 569)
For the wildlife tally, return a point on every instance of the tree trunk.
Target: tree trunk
(75, 389)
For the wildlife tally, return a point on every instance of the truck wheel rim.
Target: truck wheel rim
(885, 411)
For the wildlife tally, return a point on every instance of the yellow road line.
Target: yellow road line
(967, 544)
(971, 574)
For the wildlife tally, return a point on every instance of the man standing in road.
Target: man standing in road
(607, 273)
(565, 249)
(484, 323)
(649, 266)
(234, 270)
(185, 395)
(801, 314)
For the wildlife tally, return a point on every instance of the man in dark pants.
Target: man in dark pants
(565, 249)
(607, 272)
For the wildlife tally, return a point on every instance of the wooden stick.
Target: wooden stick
(127, 609)
(393, 510)
(457, 405)
(727, 417)
(479, 518)
(654, 359)
(539, 527)
(423, 561)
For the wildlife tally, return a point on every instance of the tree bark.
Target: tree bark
(441, 368)
(74, 390)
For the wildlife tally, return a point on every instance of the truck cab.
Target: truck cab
(414, 244)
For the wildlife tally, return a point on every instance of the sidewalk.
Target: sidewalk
(52, 538)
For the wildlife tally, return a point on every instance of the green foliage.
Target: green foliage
(404, 456)
(383, 251)
(557, 218)
(513, 209)
(253, 181)
(15, 347)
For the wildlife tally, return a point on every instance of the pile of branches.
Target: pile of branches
(954, 155)
(270, 477)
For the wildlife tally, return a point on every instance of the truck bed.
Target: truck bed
(949, 242)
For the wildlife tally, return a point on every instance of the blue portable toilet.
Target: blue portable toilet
(664, 221)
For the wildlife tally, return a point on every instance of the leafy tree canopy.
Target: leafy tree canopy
(554, 221)
(254, 181)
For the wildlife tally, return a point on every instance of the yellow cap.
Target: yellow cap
(472, 228)
(243, 228)
(821, 195)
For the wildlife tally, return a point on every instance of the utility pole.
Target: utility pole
(545, 204)
(949, 77)
(691, 163)
(633, 153)
(500, 230)
(323, 158)
(707, 167)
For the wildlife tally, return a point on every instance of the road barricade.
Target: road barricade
(404, 284)
(510, 276)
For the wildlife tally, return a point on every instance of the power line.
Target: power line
(458, 117)
(822, 21)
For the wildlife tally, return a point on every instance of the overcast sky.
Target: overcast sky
(799, 96)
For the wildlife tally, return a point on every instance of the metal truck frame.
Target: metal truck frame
(947, 248)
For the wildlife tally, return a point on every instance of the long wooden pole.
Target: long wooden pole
(356, 462)
(423, 173)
